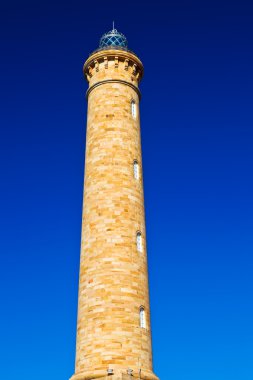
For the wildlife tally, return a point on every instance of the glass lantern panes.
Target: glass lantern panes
(113, 38)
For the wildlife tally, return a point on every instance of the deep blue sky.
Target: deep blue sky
(197, 120)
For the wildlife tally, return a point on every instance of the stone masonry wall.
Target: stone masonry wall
(113, 282)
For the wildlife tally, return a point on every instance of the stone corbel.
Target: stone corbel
(89, 71)
(134, 69)
(116, 62)
(96, 65)
(106, 62)
(126, 63)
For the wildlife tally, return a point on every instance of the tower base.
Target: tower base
(118, 374)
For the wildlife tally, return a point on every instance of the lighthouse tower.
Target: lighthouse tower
(113, 327)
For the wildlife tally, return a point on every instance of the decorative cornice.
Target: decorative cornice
(103, 56)
(136, 89)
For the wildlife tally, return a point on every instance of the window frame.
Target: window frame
(139, 243)
(136, 168)
(133, 109)
(142, 315)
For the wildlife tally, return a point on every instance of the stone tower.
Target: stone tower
(113, 327)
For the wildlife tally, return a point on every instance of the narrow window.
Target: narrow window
(142, 318)
(139, 242)
(136, 170)
(133, 109)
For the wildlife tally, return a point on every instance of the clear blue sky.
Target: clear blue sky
(197, 120)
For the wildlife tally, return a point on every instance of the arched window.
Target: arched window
(139, 241)
(133, 109)
(142, 318)
(136, 170)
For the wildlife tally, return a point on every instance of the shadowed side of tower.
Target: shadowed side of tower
(113, 327)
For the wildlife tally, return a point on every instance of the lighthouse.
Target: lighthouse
(113, 325)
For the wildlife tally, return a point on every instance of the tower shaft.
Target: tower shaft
(113, 327)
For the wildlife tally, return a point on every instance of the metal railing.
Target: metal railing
(116, 47)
